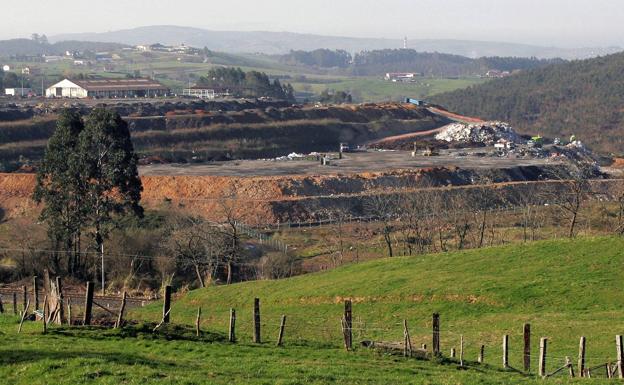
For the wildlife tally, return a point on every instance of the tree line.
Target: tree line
(375, 62)
(246, 84)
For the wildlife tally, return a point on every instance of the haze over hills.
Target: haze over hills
(32, 47)
(583, 98)
(283, 42)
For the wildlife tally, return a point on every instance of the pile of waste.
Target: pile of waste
(291, 156)
(487, 133)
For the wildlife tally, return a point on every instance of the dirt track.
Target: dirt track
(353, 163)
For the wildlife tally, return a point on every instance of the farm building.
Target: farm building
(18, 91)
(106, 88)
(401, 76)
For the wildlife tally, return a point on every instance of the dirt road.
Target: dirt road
(352, 163)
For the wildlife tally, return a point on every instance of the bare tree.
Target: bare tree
(572, 194)
(417, 220)
(197, 244)
(338, 216)
(383, 207)
(460, 216)
(232, 217)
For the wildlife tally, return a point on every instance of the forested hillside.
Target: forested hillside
(40, 46)
(585, 98)
(378, 62)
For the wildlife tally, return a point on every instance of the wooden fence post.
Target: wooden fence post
(570, 366)
(88, 304)
(581, 357)
(348, 317)
(60, 308)
(527, 347)
(481, 359)
(167, 305)
(436, 334)
(45, 313)
(542, 357)
(69, 311)
(506, 351)
(25, 299)
(620, 356)
(198, 322)
(35, 293)
(122, 307)
(24, 313)
(461, 350)
(232, 333)
(407, 341)
(257, 338)
(14, 303)
(1, 305)
(280, 337)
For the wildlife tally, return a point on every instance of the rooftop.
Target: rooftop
(119, 84)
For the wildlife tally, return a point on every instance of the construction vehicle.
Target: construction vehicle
(415, 101)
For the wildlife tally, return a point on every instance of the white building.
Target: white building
(199, 92)
(106, 88)
(18, 91)
(401, 76)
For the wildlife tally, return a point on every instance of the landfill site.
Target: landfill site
(456, 158)
(460, 154)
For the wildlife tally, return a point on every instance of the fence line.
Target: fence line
(351, 325)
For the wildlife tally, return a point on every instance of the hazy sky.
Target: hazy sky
(571, 23)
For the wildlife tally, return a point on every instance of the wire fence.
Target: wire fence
(462, 344)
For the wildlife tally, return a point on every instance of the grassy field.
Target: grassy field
(176, 71)
(565, 289)
(377, 89)
(95, 356)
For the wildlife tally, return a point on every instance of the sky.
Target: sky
(564, 23)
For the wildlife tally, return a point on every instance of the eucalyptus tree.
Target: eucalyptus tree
(88, 178)
(60, 187)
(110, 172)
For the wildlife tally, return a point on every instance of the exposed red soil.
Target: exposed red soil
(210, 196)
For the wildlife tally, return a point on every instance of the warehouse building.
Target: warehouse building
(107, 88)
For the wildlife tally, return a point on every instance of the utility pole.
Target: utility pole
(103, 279)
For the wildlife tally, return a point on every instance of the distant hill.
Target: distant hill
(584, 98)
(374, 63)
(284, 42)
(19, 47)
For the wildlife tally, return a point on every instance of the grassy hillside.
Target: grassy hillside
(581, 97)
(564, 288)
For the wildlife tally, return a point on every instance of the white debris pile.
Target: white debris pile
(487, 133)
(291, 156)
